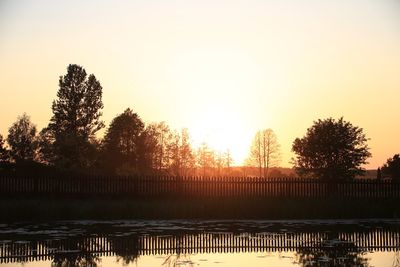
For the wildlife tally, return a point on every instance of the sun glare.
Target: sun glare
(216, 80)
(222, 129)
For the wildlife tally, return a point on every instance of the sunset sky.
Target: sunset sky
(222, 69)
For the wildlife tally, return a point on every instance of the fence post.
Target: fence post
(35, 185)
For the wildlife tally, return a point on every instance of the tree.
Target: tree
(22, 139)
(45, 153)
(392, 168)
(331, 150)
(223, 161)
(147, 149)
(3, 151)
(173, 152)
(76, 117)
(228, 161)
(187, 157)
(265, 151)
(205, 158)
(181, 154)
(166, 151)
(255, 158)
(271, 152)
(121, 145)
(162, 137)
(219, 162)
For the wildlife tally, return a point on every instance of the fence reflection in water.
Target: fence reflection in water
(131, 246)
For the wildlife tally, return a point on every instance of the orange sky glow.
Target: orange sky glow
(222, 69)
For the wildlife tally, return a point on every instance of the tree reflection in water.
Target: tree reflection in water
(321, 245)
(126, 248)
(76, 252)
(333, 252)
(180, 258)
(74, 259)
(396, 259)
(175, 260)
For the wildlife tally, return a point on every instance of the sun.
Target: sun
(223, 130)
(216, 80)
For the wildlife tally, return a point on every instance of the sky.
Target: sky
(221, 68)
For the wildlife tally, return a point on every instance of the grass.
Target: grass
(24, 209)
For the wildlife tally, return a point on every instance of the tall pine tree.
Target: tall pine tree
(76, 118)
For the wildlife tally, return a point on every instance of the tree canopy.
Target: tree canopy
(331, 149)
(264, 151)
(76, 117)
(22, 139)
(121, 143)
(181, 154)
(3, 150)
(392, 168)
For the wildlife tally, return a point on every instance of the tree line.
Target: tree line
(69, 142)
(331, 149)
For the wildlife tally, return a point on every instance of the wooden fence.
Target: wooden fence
(197, 187)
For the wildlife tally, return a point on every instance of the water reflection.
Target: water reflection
(314, 243)
(125, 248)
(70, 259)
(175, 260)
(333, 253)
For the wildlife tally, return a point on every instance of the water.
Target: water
(201, 243)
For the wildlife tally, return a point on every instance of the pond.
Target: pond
(201, 243)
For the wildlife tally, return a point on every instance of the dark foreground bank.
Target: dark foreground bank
(18, 209)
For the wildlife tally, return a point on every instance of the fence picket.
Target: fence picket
(186, 186)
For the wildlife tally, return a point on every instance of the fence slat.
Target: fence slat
(188, 187)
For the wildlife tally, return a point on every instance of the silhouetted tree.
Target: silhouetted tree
(148, 148)
(173, 151)
(165, 151)
(205, 159)
(228, 161)
(121, 144)
(331, 150)
(255, 158)
(146, 152)
(223, 162)
(163, 136)
(181, 154)
(392, 168)
(219, 163)
(4, 155)
(22, 139)
(45, 153)
(186, 153)
(264, 151)
(76, 118)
